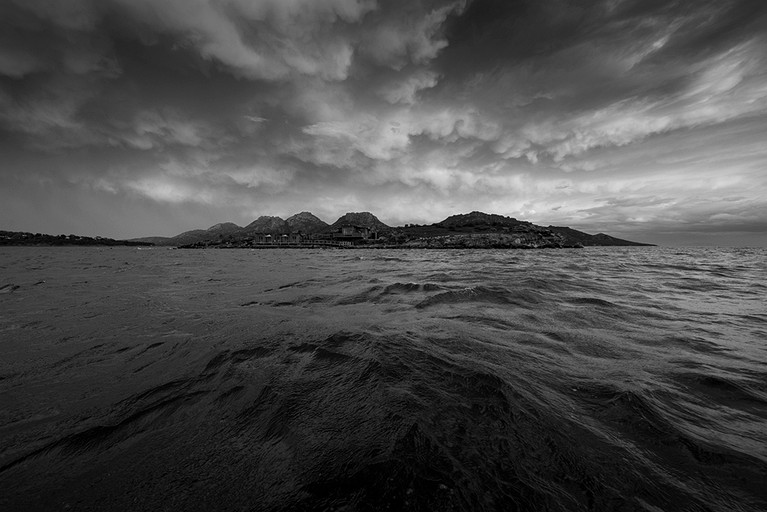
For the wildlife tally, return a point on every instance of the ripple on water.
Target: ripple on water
(602, 379)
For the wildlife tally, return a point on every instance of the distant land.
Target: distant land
(473, 230)
(24, 238)
(470, 230)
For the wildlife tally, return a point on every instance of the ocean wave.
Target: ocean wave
(628, 379)
(484, 294)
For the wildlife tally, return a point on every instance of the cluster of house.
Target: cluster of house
(345, 234)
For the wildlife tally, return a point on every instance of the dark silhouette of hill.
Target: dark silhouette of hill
(306, 222)
(267, 224)
(599, 240)
(224, 227)
(215, 232)
(475, 219)
(478, 230)
(365, 219)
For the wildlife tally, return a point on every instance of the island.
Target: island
(475, 230)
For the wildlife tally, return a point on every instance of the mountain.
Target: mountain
(468, 230)
(267, 224)
(366, 219)
(572, 236)
(305, 222)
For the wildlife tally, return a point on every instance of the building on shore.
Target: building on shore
(355, 234)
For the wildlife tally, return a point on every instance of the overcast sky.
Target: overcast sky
(644, 119)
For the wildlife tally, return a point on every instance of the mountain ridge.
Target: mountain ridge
(473, 229)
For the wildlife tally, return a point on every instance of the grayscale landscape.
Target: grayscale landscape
(383, 255)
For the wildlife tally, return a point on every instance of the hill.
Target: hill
(599, 240)
(224, 228)
(266, 224)
(478, 230)
(365, 219)
(475, 219)
(306, 222)
(215, 232)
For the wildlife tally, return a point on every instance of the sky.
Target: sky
(643, 119)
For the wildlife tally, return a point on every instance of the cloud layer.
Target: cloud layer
(635, 118)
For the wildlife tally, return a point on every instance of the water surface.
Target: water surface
(594, 379)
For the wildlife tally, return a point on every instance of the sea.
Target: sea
(596, 379)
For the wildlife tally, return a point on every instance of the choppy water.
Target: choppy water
(594, 379)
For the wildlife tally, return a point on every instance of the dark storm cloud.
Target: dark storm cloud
(562, 74)
(153, 75)
(560, 110)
